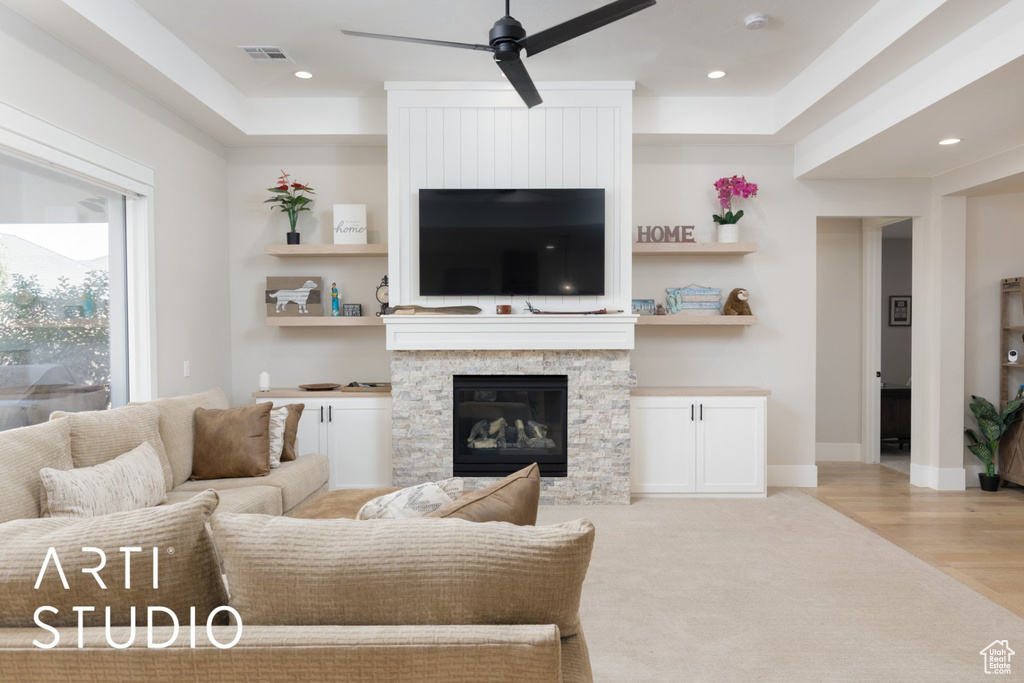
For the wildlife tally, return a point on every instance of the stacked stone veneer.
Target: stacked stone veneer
(598, 428)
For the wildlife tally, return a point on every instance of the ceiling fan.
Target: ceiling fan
(507, 39)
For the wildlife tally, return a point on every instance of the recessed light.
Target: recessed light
(716, 74)
(303, 74)
(949, 141)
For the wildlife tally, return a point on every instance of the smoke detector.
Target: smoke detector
(756, 20)
(266, 55)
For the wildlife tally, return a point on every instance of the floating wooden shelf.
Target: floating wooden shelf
(683, 319)
(311, 250)
(321, 321)
(676, 249)
(1013, 365)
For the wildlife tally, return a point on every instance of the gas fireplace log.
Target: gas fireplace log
(479, 431)
(497, 426)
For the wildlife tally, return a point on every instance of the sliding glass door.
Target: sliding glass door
(63, 295)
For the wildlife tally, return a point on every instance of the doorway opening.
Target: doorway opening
(864, 322)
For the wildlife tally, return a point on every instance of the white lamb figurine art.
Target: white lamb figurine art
(299, 296)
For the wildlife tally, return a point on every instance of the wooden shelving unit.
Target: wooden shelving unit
(1011, 447)
(322, 321)
(705, 320)
(320, 250)
(701, 248)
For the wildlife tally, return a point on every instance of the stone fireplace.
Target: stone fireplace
(597, 408)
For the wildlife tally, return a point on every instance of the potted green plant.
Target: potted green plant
(992, 424)
(290, 197)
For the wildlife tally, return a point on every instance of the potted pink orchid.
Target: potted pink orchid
(736, 186)
(290, 197)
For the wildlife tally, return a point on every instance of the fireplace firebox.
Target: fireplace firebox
(502, 423)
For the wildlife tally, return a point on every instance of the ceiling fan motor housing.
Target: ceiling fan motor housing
(504, 37)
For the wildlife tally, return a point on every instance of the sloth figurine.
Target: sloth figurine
(737, 304)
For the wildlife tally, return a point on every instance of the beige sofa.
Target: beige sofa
(427, 600)
(66, 442)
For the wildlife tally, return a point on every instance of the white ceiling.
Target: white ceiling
(667, 49)
(861, 88)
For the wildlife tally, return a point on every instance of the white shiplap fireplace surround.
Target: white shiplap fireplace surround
(480, 135)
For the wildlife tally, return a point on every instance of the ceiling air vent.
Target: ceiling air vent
(266, 55)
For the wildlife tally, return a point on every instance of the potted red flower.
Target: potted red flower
(290, 197)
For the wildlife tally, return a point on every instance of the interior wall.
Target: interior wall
(673, 184)
(995, 242)
(897, 277)
(304, 355)
(51, 81)
(840, 334)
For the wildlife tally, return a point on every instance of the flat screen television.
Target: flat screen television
(512, 242)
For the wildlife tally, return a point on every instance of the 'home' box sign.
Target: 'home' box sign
(657, 233)
(350, 223)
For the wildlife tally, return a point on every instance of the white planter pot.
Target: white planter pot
(728, 232)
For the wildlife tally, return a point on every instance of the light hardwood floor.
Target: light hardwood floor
(974, 536)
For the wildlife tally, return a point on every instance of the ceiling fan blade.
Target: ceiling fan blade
(585, 23)
(422, 41)
(520, 80)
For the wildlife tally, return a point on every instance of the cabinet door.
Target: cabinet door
(663, 438)
(311, 436)
(359, 442)
(731, 445)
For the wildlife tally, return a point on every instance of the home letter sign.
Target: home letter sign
(658, 233)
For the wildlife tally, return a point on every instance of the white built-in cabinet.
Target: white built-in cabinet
(354, 432)
(702, 444)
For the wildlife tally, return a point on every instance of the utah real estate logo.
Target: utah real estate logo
(997, 657)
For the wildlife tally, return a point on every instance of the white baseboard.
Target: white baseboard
(837, 452)
(793, 475)
(938, 478)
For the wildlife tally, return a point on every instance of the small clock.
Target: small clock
(382, 296)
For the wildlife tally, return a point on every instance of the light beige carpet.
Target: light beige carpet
(775, 589)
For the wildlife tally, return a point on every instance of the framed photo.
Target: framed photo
(352, 310)
(643, 306)
(899, 311)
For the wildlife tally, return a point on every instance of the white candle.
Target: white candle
(264, 381)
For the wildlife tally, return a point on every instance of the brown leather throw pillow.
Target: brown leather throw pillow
(291, 428)
(232, 443)
(512, 499)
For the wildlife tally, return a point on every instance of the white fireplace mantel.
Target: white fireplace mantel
(509, 332)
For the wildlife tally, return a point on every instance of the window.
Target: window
(63, 295)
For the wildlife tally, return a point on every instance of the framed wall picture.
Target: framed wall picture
(899, 311)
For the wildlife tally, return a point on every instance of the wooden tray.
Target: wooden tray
(319, 387)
